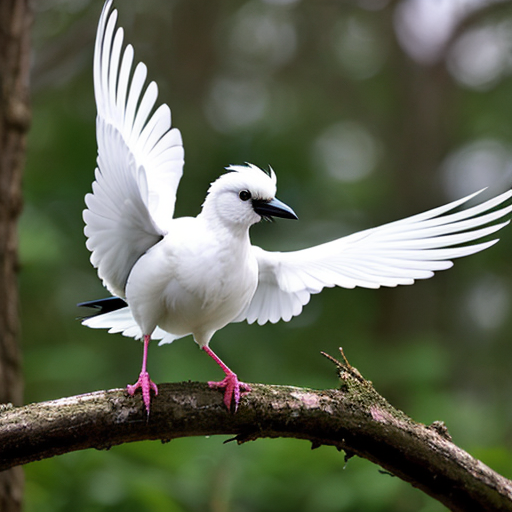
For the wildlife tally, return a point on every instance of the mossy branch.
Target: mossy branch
(354, 418)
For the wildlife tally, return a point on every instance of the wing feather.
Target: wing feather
(140, 160)
(394, 254)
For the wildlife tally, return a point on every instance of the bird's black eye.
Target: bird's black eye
(244, 195)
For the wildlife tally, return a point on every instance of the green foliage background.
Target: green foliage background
(363, 125)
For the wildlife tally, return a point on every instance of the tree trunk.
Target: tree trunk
(15, 23)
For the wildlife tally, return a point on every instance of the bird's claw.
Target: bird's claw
(234, 389)
(146, 385)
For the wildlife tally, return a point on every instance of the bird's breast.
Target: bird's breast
(219, 280)
(192, 283)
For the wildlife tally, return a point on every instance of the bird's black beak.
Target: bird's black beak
(273, 208)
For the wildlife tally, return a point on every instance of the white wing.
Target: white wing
(140, 160)
(389, 255)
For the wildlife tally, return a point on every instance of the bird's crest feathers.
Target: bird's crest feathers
(252, 167)
(249, 176)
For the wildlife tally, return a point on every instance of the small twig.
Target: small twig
(346, 366)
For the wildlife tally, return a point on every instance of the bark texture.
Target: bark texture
(354, 418)
(15, 23)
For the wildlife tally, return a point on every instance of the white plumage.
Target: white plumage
(195, 275)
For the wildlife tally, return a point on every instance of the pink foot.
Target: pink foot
(234, 389)
(146, 385)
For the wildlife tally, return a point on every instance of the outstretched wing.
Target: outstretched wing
(389, 255)
(140, 160)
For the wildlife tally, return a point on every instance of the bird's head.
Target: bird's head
(244, 196)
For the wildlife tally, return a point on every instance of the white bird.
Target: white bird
(175, 277)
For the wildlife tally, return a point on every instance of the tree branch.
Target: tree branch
(354, 418)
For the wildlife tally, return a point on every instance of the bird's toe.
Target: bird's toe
(233, 390)
(146, 385)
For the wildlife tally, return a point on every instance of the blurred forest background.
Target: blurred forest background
(368, 110)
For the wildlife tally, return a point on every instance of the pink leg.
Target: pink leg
(234, 389)
(144, 382)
